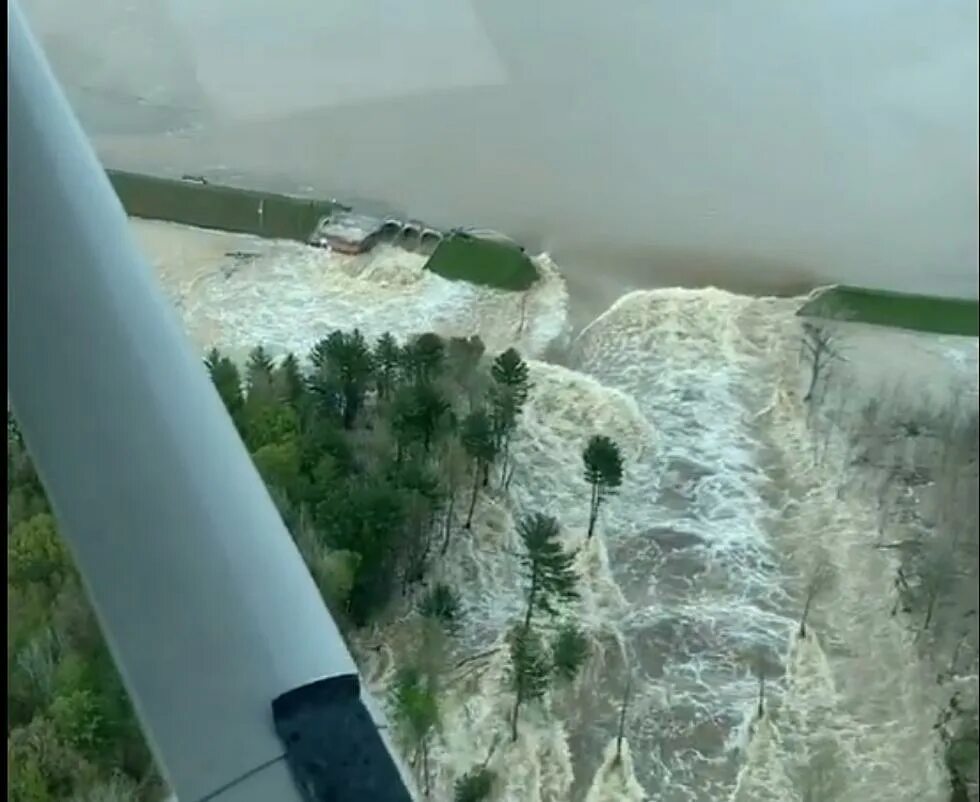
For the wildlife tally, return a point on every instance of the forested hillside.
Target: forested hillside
(377, 455)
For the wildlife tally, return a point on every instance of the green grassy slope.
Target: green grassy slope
(483, 261)
(479, 261)
(897, 310)
(243, 211)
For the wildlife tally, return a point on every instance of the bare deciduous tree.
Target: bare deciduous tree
(623, 707)
(818, 583)
(819, 350)
(759, 669)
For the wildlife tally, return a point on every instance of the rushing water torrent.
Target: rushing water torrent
(695, 580)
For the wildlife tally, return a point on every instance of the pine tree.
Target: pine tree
(258, 375)
(387, 356)
(530, 671)
(431, 409)
(510, 371)
(548, 567)
(551, 580)
(266, 419)
(416, 709)
(402, 419)
(569, 651)
(419, 487)
(504, 410)
(603, 471)
(288, 381)
(425, 357)
(508, 395)
(452, 465)
(477, 437)
(211, 360)
(344, 368)
(227, 381)
(419, 414)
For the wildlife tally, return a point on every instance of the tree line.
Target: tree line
(71, 732)
(377, 455)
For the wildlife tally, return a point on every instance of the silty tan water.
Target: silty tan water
(696, 578)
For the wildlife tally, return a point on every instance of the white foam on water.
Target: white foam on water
(704, 587)
(235, 290)
(717, 376)
(763, 777)
(700, 562)
(615, 781)
(865, 704)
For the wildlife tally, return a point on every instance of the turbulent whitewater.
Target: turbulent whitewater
(696, 580)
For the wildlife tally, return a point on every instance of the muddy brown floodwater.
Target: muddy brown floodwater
(735, 492)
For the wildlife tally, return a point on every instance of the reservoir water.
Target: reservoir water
(754, 146)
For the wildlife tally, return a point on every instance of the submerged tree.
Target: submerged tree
(817, 585)
(453, 464)
(760, 672)
(512, 385)
(416, 709)
(569, 652)
(504, 411)
(958, 728)
(819, 350)
(474, 786)
(418, 485)
(937, 572)
(551, 580)
(530, 671)
(623, 708)
(477, 784)
(603, 471)
(548, 567)
(441, 604)
(477, 437)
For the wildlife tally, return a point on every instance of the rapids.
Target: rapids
(695, 581)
